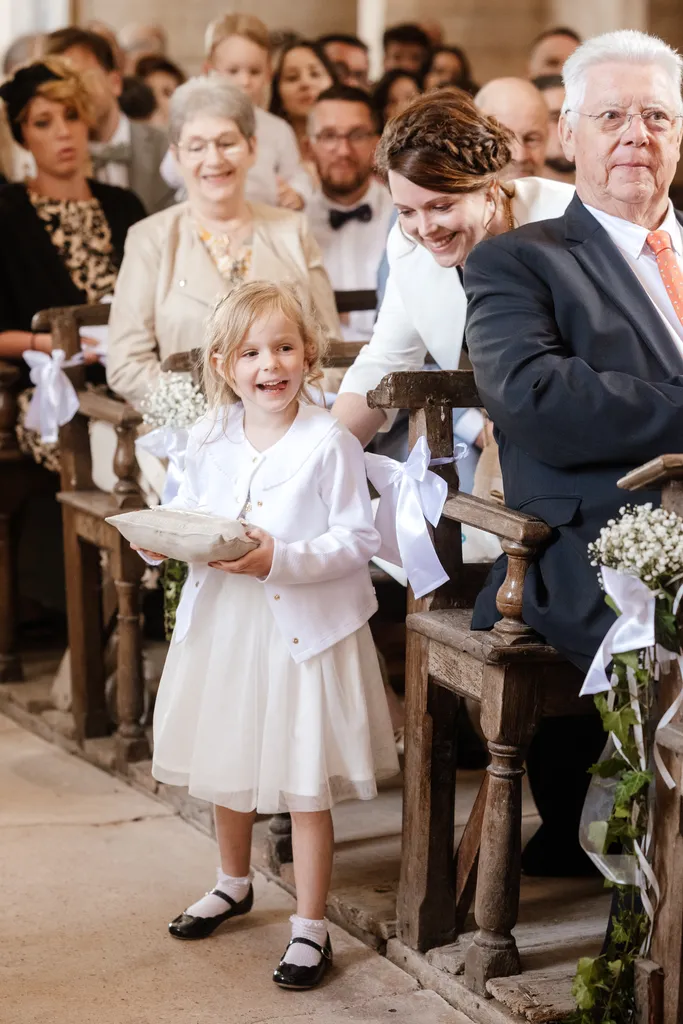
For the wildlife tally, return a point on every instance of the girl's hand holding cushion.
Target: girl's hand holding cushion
(150, 554)
(255, 563)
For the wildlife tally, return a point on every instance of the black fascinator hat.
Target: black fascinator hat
(20, 90)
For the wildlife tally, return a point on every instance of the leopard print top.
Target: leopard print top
(81, 235)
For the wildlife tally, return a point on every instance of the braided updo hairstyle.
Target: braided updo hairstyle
(442, 143)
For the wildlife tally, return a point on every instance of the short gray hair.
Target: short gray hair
(624, 47)
(210, 94)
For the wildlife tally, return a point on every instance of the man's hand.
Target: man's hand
(258, 562)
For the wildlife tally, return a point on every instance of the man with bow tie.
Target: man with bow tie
(124, 153)
(351, 212)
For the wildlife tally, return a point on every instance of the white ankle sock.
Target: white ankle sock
(301, 954)
(210, 905)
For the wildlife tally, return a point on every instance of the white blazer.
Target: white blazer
(424, 307)
(310, 492)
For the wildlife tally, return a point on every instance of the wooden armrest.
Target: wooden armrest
(341, 354)
(355, 301)
(182, 362)
(653, 474)
(424, 388)
(496, 519)
(109, 410)
(84, 316)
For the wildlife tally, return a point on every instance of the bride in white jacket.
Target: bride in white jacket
(442, 160)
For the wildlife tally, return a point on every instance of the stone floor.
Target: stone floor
(91, 872)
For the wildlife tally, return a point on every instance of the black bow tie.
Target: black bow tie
(339, 217)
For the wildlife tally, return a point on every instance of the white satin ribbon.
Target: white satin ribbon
(54, 401)
(409, 494)
(167, 443)
(633, 630)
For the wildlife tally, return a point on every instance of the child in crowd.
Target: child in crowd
(271, 698)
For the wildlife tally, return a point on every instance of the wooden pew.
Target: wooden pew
(86, 534)
(659, 982)
(509, 671)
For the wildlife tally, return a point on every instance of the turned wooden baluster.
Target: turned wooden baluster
(127, 493)
(131, 739)
(510, 596)
(509, 714)
(510, 710)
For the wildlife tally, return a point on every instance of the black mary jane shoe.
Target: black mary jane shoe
(185, 926)
(298, 978)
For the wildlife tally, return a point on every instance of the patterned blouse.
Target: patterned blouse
(80, 233)
(233, 267)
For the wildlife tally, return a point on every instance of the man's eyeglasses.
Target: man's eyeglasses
(328, 138)
(609, 122)
(225, 146)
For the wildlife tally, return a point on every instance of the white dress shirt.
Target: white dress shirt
(352, 253)
(277, 156)
(114, 173)
(631, 241)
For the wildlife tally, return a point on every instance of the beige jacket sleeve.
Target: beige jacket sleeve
(322, 294)
(133, 352)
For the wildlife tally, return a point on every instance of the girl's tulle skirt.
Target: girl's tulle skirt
(240, 724)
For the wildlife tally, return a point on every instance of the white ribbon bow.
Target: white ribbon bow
(54, 401)
(167, 443)
(409, 494)
(633, 630)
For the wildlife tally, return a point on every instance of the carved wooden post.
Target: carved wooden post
(131, 740)
(509, 597)
(127, 491)
(509, 714)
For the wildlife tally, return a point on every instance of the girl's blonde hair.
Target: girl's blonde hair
(232, 319)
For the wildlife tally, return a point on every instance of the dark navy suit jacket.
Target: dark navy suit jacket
(583, 381)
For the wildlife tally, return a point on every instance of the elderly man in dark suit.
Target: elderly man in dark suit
(575, 334)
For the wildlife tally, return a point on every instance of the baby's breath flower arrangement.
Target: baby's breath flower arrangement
(175, 401)
(646, 543)
(172, 407)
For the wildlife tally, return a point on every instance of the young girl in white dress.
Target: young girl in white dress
(271, 698)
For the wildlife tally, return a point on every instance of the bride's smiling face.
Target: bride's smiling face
(447, 225)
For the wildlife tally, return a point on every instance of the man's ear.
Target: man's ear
(566, 133)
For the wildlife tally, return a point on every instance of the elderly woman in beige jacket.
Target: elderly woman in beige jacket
(177, 263)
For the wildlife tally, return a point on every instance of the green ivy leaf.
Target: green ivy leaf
(631, 784)
(608, 768)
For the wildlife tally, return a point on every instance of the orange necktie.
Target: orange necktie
(669, 271)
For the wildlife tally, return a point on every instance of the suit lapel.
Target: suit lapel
(600, 258)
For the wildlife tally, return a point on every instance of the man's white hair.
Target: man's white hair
(624, 47)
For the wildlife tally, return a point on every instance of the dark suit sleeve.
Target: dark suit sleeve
(551, 403)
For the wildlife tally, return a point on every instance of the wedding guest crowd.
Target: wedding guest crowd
(284, 162)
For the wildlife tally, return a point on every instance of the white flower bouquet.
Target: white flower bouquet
(645, 542)
(175, 401)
